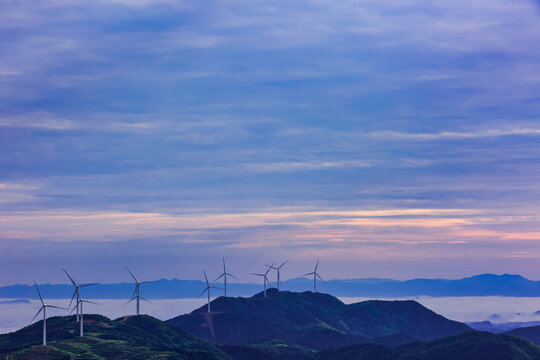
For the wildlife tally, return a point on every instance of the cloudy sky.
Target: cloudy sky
(395, 138)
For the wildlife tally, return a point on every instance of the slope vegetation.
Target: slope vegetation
(474, 345)
(130, 337)
(314, 320)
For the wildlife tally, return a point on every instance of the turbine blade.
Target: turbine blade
(34, 318)
(90, 302)
(319, 276)
(73, 297)
(316, 266)
(205, 277)
(215, 287)
(224, 265)
(203, 292)
(134, 293)
(280, 266)
(72, 310)
(70, 278)
(145, 300)
(147, 282)
(219, 277)
(85, 285)
(270, 268)
(56, 307)
(307, 274)
(231, 275)
(130, 300)
(130, 273)
(257, 274)
(39, 293)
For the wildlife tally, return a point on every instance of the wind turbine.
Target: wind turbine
(315, 276)
(265, 276)
(224, 276)
(207, 289)
(76, 293)
(278, 271)
(137, 291)
(44, 308)
(81, 301)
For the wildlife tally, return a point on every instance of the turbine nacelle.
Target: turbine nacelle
(81, 301)
(315, 276)
(265, 277)
(76, 293)
(272, 267)
(137, 291)
(43, 308)
(207, 289)
(224, 275)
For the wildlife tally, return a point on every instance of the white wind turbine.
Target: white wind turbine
(76, 293)
(278, 271)
(44, 308)
(207, 289)
(265, 277)
(315, 276)
(137, 292)
(224, 276)
(80, 303)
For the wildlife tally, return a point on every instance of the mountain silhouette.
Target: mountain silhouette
(479, 285)
(144, 337)
(315, 320)
(531, 333)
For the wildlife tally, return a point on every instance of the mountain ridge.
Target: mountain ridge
(143, 337)
(477, 285)
(314, 320)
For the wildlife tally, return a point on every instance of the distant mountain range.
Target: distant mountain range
(500, 327)
(480, 285)
(294, 326)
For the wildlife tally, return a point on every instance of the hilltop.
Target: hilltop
(315, 320)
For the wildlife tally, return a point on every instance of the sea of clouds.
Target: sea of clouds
(497, 309)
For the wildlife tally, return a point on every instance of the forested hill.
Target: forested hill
(315, 320)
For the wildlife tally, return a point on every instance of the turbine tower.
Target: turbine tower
(44, 308)
(278, 271)
(81, 301)
(224, 276)
(137, 292)
(207, 289)
(76, 293)
(315, 276)
(265, 277)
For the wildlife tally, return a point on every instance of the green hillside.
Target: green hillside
(469, 346)
(143, 337)
(130, 337)
(315, 321)
(531, 333)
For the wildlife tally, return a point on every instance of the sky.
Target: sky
(395, 138)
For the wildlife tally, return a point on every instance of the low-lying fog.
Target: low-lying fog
(497, 309)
